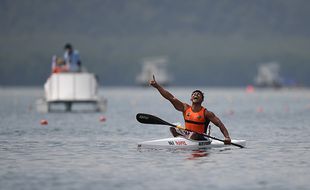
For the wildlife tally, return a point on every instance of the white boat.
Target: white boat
(268, 75)
(71, 88)
(182, 143)
(154, 66)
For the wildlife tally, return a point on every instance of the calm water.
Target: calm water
(77, 151)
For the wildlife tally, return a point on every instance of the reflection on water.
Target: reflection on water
(197, 154)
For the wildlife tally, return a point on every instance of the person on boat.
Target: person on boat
(58, 65)
(197, 118)
(72, 58)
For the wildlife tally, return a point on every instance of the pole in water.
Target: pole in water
(68, 106)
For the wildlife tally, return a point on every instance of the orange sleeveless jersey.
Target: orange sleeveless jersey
(195, 121)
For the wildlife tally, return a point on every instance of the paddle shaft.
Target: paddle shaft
(151, 119)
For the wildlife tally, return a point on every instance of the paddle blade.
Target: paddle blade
(151, 119)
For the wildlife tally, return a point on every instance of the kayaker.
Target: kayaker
(197, 118)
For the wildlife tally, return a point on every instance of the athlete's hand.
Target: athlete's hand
(153, 82)
(227, 140)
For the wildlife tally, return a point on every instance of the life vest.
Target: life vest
(59, 69)
(196, 121)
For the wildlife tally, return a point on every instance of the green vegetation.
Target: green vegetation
(207, 42)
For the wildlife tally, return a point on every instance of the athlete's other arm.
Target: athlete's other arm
(178, 105)
(216, 121)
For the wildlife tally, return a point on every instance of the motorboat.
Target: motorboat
(70, 88)
(154, 66)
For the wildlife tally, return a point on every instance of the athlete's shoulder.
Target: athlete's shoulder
(209, 113)
(186, 106)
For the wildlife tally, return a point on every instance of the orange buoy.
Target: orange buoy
(43, 122)
(102, 119)
(260, 109)
(286, 108)
(250, 89)
(230, 112)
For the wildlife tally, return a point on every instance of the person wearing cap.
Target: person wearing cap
(196, 117)
(72, 58)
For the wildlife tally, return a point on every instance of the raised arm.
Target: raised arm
(216, 121)
(178, 105)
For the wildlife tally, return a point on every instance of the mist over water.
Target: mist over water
(77, 151)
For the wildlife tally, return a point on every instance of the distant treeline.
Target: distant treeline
(207, 42)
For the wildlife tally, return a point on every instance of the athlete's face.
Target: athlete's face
(197, 97)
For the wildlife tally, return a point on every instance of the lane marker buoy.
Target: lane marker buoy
(102, 118)
(43, 122)
(250, 89)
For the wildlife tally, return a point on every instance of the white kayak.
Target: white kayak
(182, 143)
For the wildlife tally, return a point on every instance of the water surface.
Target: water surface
(77, 151)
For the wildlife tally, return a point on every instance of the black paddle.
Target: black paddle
(151, 119)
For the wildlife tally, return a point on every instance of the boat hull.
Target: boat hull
(71, 88)
(182, 143)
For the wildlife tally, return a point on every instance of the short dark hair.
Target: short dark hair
(199, 91)
(68, 46)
